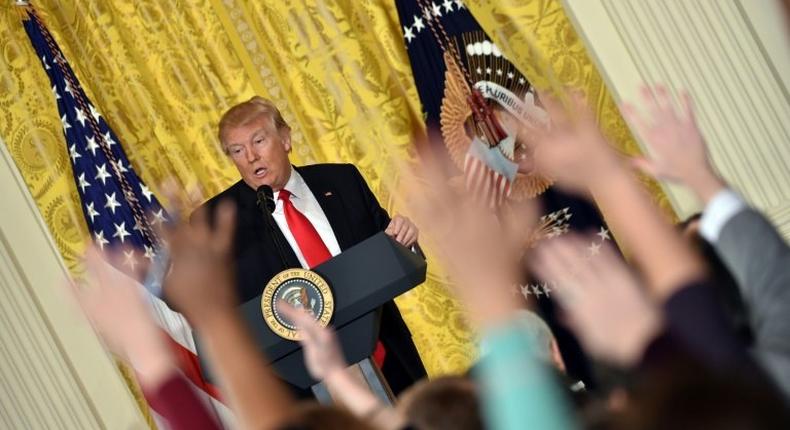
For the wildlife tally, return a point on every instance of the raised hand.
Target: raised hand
(573, 151)
(200, 282)
(115, 304)
(676, 145)
(602, 297)
(322, 353)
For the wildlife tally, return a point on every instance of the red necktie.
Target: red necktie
(313, 248)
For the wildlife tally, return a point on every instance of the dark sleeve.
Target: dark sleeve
(695, 319)
(378, 215)
(176, 402)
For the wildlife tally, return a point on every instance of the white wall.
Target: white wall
(53, 370)
(732, 55)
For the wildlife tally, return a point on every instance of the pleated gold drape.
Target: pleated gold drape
(162, 73)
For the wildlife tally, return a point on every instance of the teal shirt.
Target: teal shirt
(518, 390)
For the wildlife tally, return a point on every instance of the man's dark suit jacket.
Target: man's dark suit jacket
(354, 214)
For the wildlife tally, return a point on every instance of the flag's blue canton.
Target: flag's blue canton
(108, 212)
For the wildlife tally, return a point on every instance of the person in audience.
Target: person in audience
(447, 402)
(517, 388)
(752, 249)
(625, 316)
(727, 289)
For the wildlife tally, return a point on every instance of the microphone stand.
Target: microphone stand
(267, 204)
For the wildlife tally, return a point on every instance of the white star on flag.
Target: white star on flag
(604, 234)
(408, 34)
(129, 259)
(120, 166)
(418, 25)
(108, 138)
(91, 211)
(146, 192)
(94, 113)
(159, 217)
(81, 117)
(120, 231)
(111, 202)
(102, 174)
(92, 145)
(149, 253)
(65, 123)
(73, 153)
(82, 182)
(100, 240)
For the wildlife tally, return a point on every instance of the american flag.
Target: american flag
(119, 209)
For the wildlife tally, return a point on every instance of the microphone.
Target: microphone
(266, 198)
(266, 204)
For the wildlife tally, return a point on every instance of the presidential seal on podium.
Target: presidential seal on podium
(302, 289)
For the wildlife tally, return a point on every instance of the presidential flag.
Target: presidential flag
(119, 209)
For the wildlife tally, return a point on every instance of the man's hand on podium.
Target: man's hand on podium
(402, 230)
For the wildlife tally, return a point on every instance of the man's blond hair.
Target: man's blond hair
(248, 111)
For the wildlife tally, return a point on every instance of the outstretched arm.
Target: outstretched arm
(200, 284)
(324, 360)
(577, 154)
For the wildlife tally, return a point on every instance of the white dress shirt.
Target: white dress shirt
(721, 208)
(305, 202)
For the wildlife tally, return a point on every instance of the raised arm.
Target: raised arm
(200, 284)
(325, 362)
(578, 155)
(116, 306)
(752, 248)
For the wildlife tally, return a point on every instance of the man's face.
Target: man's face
(260, 152)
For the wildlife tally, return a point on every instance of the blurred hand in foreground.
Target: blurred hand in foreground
(116, 306)
(573, 151)
(322, 353)
(200, 282)
(481, 251)
(677, 148)
(602, 297)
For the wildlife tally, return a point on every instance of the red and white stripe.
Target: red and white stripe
(485, 183)
(180, 337)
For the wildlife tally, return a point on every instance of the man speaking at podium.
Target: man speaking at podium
(320, 210)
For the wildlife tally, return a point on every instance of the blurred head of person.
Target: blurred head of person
(314, 416)
(257, 139)
(682, 394)
(449, 402)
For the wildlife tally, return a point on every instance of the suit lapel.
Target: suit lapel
(332, 205)
(261, 229)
